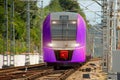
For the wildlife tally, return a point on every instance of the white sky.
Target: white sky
(93, 10)
(45, 2)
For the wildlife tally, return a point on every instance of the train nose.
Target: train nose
(64, 54)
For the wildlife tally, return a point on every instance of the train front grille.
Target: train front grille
(63, 55)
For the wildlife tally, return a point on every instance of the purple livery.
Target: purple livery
(64, 38)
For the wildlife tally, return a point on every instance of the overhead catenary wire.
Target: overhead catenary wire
(89, 9)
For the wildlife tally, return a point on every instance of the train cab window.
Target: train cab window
(63, 29)
(71, 31)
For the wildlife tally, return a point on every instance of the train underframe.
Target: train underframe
(64, 65)
(58, 65)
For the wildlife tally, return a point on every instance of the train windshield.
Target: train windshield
(63, 29)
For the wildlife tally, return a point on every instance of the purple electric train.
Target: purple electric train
(64, 39)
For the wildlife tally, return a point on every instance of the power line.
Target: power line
(89, 9)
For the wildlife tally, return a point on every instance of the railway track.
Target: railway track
(15, 72)
(37, 72)
(57, 75)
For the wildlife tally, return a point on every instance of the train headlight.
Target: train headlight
(73, 22)
(54, 22)
(77, 45)
(50, 44)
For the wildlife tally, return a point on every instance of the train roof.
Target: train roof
(73, 13)
(56, 15)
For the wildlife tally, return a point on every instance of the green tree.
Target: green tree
(54, 6)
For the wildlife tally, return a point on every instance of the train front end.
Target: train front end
(64, 38)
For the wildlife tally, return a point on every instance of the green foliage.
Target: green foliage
(19, 28)
(54, 6)
(69, 5)
(20, 25)
(20, 47)
(1, 44)
(1, 19)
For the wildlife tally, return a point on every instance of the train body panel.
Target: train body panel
(77, 55)
(64, 38)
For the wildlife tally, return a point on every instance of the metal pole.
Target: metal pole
(114, 24)
(105, 34)
(12, 35)
(112, 30)
(118, 26)
(112, 35)
(41, 42)
(27, 57)
(5, 56)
